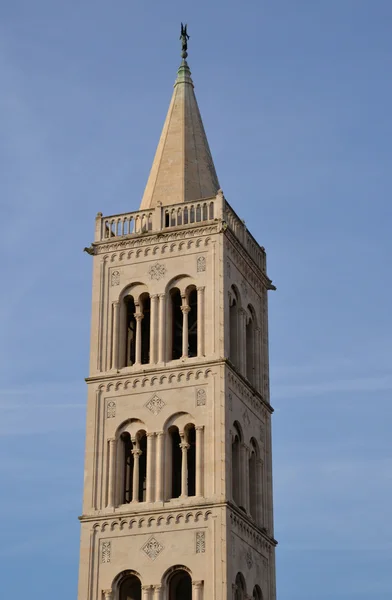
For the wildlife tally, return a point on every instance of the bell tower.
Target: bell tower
(178, 477)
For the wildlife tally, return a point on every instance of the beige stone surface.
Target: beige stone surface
(183, 169)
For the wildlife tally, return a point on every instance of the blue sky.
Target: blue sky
(296, 98)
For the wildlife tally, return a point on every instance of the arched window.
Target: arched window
(233, 326)
(250, 348)
(130, 588)
(257, 594)
(177, 322)
(253, 480)
(135, 467)
(176, 460)
(131, 330)
(240, 587)
(236, 465)
(192, 322)
(180, 586)
(145, 306)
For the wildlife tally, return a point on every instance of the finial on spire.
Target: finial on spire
(184, 37)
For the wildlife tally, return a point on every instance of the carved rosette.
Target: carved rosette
(155, 404)
(157, 271)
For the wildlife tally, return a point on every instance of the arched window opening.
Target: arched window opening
(250, 350)
(236, 466)
(177, 321)
(205, 212)
(127, 493)
(130, 588)
(180, 586)
(233, 324)
(253, 482)
(198, 213)
(167, 219)
(257, 594)
(145, 326)
(192, 214)
(211, 210)
(142, 447)
(185, 216)
(176, 454)
(192, 323)
(179, 216)
(191, 439)
(131, 330)
(240, 587)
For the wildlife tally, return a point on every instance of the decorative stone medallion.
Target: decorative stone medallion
(152, 548)
(157, 271)
(200, 542)
(115, 280)
(201, 264)
(155, 404)
(201, 397)
(106, 552)
(249, 559)
(111, 410)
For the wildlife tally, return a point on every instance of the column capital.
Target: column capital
(138, 316)
(158, 587)
(150, 434)
(162, 295)
(159, 433)
(146, 588)
(112, 440)
(199, 427)
(116, 303)
(200, 288)
(185, 308)
(136, 452)
(197, 584)
(184, 446)
(108, 594)
(154, 296)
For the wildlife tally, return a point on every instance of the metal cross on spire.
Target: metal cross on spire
(184, 37)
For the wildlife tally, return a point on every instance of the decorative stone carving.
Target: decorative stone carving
(111, 410)
(201, 397)
(106, 552)
(200, 542)
(249, 559)
(155, 404)
(201, 264)
(245, 416)
(152, 548)
(115, 279)
(157, 271)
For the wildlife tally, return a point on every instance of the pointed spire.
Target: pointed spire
(183, 169)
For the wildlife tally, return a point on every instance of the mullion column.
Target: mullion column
(199, 459)
(135, 485)
(115, 334)
(153, 328)
(138, 347)
(185, 308)
(200, 321)
(161, 329)
(150, 464)
(184, 467)
(111, 471)
(159, 466)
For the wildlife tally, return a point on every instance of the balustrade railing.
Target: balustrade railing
(164, 217)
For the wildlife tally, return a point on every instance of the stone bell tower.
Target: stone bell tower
(178, 480)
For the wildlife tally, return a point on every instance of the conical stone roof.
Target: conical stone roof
(183, 170)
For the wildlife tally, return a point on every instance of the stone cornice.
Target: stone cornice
(135, 240)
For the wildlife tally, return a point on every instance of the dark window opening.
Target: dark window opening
(192, 214)
(185, 216)
(192, 461)
(177, 321)
(131, 331)
(128, 468)
(146, 321)
(131, 589)
(142, 468)
(167, 219)
(211, 210)
(198, 213)
(233, 332)
(253, 485)
(180, 587)
(192, 324)
(250, 351)
(176, 463)
(205, 212)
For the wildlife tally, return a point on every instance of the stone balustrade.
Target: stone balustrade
(179, 215)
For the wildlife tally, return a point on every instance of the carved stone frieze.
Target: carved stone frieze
(124, 523)
(154, 380)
